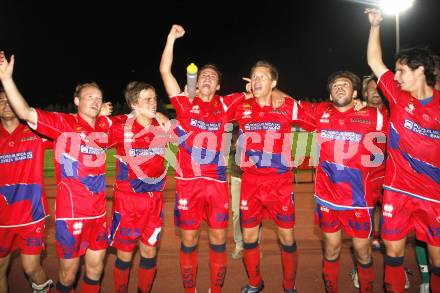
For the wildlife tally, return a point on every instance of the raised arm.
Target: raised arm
(374, 50)
(15, 99)
(169, 81)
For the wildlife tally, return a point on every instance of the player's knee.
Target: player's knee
(363, 256)
(4, 262)
(67, 277)
(94, 271)
(286, 238)
(250, 236)
(32, 269)
(332, 251)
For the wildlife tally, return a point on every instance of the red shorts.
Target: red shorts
(267, 197)
(75, 236)
(402, 214)
(201, 199)
(377, 190)
(28, 239)
(136, 216)
(355, 223)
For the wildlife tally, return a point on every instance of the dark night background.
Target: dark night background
(60, 43)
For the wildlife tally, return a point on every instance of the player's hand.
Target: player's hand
(248, 87)
(359, 105)
(374, 16)
(6, 68)
(106, 109)
(176, 32)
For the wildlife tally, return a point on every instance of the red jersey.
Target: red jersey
(347, 154)
(413, 165)
(265, 136)
(22, 197)
(140, 165)
(79, 163)
(201, 133)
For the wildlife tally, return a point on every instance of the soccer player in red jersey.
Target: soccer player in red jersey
(267, 188)
(23, 201)
(140, 143)
(80, 222)
(202, 190)
(412, 178)
(374, 99)
(343, 187)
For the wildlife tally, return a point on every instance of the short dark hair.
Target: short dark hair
(416, 57)
(355, 80)
(2, 90)
(83, 85)
(273, 71)
(212, 67)
(133, 89)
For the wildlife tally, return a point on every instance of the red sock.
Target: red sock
(435, 279)
(145, 279)
(188, 267)
(218, 263)
(394, 274)
(289, 260)
(121, 273)
(90, 286)
(330, 272)
(366, 277)
(251, 259)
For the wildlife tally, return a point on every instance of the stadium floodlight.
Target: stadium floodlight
(396, 7)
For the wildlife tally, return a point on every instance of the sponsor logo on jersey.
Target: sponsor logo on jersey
(414, 127)
(16, 157)
(262, 126)
(341, 135)
(243, 205)
(182, 204)
(387, 210)
(29, 138)
(146, 152)
(360, 120)
(205, 125)
(280, 112)
(91, 150)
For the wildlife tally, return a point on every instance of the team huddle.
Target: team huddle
(368, 156)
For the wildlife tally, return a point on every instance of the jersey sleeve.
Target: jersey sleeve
(389, 87)
(181, 103)
(230, 103)
(304, 114)
(50, 124)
